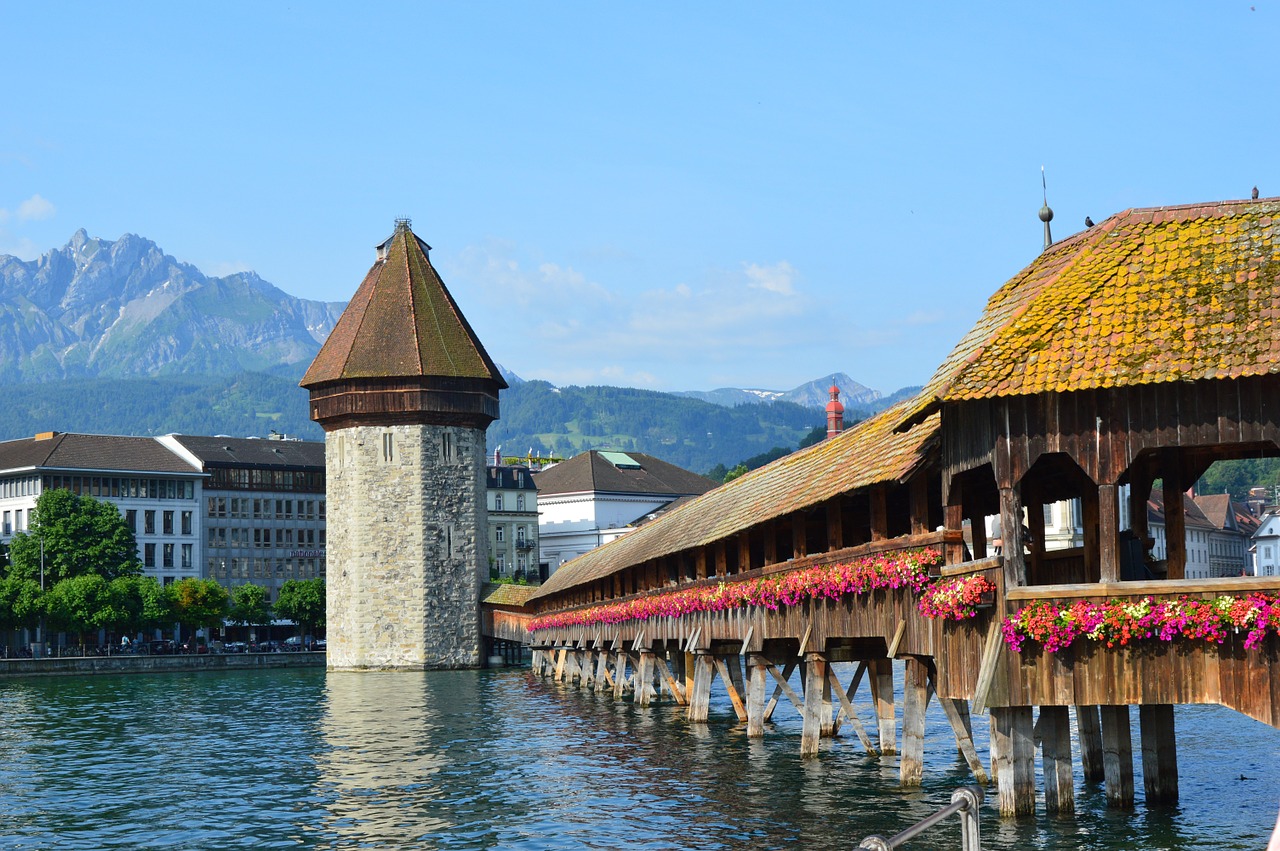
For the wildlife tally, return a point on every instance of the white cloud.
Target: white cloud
(778, 278)
(35, 208)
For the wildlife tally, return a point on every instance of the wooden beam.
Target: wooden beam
(722, 558)
(744, 551)
(1014, 752)
(835, 525)
(1117, 756)
(957, 712)
(1015, 567)
(782, 687)
(644, 678)
(700, 563)
(915, 701)
(988, 666)
(897, 639)
(1159, 753)
(1089, 731)
(735, 696)
(1055, 753)
(879, 512)
(619, 673)
(799, 535)
(846, 706)
(1175, 519)
(1108, 534)
(919, 501)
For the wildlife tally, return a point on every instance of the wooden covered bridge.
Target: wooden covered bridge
(1138, 351)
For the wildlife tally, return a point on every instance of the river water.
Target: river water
(501, 759)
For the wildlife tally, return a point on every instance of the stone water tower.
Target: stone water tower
(404, 392)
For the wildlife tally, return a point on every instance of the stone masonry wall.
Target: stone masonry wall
(406, 551)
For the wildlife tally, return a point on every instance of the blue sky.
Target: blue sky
(660, 195)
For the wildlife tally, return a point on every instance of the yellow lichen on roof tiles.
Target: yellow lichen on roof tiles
(870, 452)
(1146, 296)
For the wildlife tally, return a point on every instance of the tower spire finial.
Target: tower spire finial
(1046, 214)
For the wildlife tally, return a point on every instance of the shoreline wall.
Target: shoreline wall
(77, 665)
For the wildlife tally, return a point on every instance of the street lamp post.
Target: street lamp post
(40, 626)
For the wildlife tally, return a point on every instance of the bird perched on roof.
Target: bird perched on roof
(1088, 222)
(1255, 193)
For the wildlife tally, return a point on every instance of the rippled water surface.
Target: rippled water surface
(304, 759)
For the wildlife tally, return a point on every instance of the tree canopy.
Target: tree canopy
(80, 536)
(303, 602)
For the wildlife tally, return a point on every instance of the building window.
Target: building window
(131, 520)
(498, 534)
(148, 555)
(148, 522)
(388, 447)
(497, 502)
(168, 522)
(187, 550)
(186, 522)
(168, 555)
(446, 446)
(519, 502)
(519, 534)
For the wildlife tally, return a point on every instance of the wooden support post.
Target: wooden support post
(1175, 519)
(589, 668)
(1055, 752)
(879, 513)
(1117, 756)
(978, 532)
(915, 700)
(688, 663)
(757, 679)
(799, 535)
(619, 673)
(744, 551)
(1089, 729)
(953, 553)
(563, 653)
(1159, 753)
(1035, 525)
(1015, 566)
(731, 685)
(1108, 534)
(835, 525)
(826, 715)
(1014, 752)
(919, 495)
(602, 669)
(881, 677)
(814, 682)
(1092, 549)
(700, 697)
(644, 678)
(770, 530)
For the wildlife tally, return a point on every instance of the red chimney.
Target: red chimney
(835, 413)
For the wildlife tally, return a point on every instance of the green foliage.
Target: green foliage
(249, 606)
(199, 602)
(303, 602)
(21, 603)
(81, 536)
(736, 472)
(140, 603)
(81, 604)
(1237, 477)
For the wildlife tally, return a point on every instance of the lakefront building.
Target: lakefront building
(262, 517)
(598, 496)
(157, 492)
(513, 520)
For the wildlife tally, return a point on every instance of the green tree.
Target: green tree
(80, 536)
(740, 470)
(199, 603)
(249, 606)
(80, 604)
(21, 603)
(303, 602)
(140, 603)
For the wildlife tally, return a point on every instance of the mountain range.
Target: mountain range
(117, 337)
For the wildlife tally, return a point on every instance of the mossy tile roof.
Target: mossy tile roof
(869, 453)
(1147, 296)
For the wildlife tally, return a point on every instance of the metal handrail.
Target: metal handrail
(966, 801)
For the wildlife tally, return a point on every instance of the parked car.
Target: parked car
(292, 644)
(268, 647)
(235, 647)
(319, 644)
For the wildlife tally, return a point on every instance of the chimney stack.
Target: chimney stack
(835, 413)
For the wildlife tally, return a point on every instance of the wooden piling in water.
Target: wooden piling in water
(880, 672)
(815, 680)
(1159, 753)
(1013, 753)
(1089, 731)
(1117, 756)
(1055, 752)
(915, 702)
(757, 680)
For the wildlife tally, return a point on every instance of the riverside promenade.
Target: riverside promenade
(81, 665)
